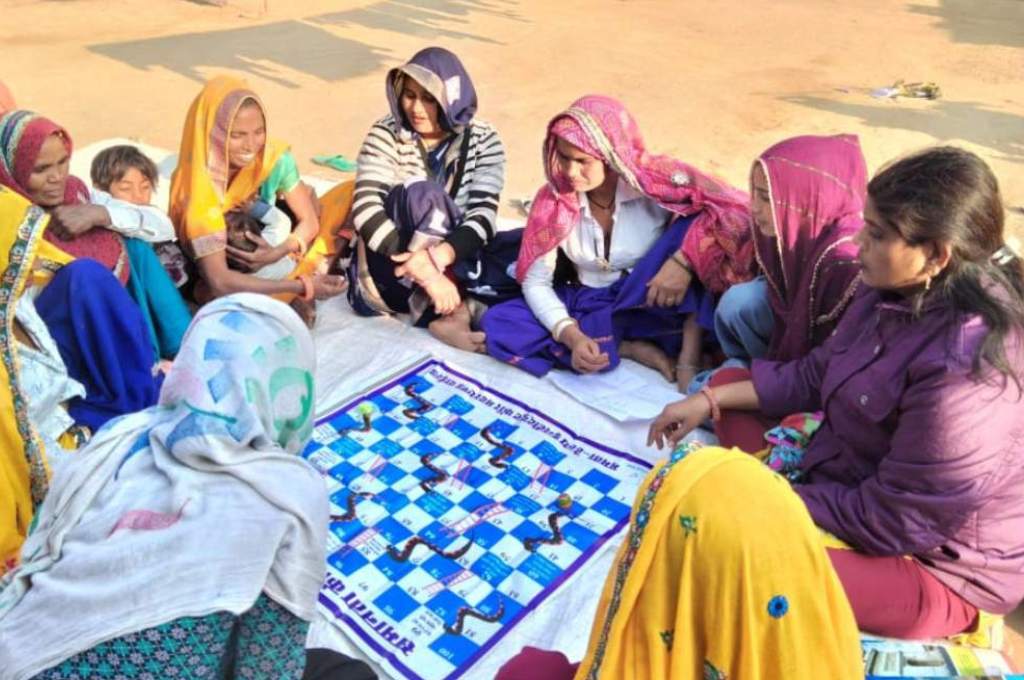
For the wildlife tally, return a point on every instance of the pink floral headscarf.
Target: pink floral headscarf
(718, 243)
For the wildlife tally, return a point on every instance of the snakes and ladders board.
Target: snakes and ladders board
(456, 511)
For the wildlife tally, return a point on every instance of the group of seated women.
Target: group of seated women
(855, 345)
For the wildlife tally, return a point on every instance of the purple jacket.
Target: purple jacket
(914, 457)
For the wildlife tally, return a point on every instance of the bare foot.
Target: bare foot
(455, 330)
(650, 355)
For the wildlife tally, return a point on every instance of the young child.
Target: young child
(127, 174)
(259, 219)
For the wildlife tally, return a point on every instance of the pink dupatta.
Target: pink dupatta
(817, 187)
(718, 243)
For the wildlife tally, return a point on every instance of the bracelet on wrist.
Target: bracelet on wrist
(308, 291)
(681, 260)
(561, 327)
(716, 412)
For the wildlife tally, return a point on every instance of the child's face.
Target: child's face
(133, 187)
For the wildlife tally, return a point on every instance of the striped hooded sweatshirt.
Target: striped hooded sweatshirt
(473, 166)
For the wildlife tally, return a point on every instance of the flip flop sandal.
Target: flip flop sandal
(338, 162)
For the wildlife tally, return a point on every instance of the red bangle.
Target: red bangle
(716, 412)
(307, 287)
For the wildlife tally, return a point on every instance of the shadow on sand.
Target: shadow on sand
(303, 45)
(426, 18)
(979, 22)
(972, 122)
(253, 50)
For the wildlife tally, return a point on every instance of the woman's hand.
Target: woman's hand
(677, 420)
(443, 293)
(328, 285)
(69, 221)
(263, 255)
(587, 356)
(669, 285)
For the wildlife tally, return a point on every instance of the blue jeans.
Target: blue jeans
(744, 320)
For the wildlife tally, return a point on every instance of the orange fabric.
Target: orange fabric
(200, 188)
(24, 473)
(334, 209)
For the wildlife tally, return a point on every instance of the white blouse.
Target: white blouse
(43, 378)
(637, 222)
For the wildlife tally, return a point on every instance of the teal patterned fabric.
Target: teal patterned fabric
(265, 642)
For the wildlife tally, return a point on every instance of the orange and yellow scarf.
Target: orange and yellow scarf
(201, 187)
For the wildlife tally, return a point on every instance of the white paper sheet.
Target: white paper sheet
(629, 392)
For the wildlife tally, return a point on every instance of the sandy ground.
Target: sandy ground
(712, 81)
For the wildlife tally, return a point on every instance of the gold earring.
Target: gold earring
(927, 283)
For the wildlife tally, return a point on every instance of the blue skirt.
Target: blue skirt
(609, 315)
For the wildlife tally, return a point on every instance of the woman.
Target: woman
(722, 575)
(138, 507)
(918, 464)
(426, 200)
(226, 161)
(807, 199)
(807, 195)
(607, 208)
(34, 384)
(76, 356)
(34, 156)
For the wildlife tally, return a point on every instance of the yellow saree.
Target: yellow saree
(722, 575)
(25, 259)
(200, 188)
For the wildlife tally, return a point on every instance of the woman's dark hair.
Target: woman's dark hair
(946, 194)
(110, 165)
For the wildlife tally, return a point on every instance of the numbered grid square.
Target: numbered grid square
(412, 517)
(519, 587)
(457, 405)
(396, 603)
